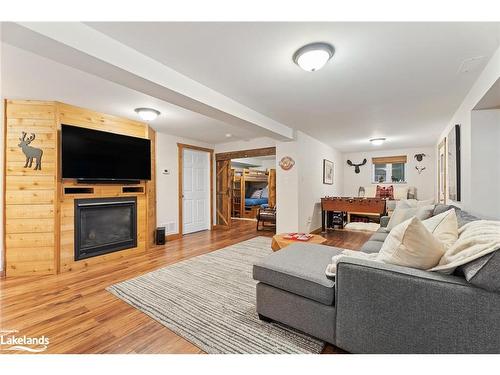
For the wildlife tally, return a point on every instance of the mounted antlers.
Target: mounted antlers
(29, 140)
(419, 157)
(356, 166)
(419, 169)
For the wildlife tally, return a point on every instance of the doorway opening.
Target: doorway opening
(246, 187)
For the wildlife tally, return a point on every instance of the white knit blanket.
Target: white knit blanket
(331, 269)
(475, 239)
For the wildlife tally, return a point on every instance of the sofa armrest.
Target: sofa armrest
(384, 220)
(383, 308)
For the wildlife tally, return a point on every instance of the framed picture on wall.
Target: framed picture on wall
(442, 172)
(327, 172)
(454, 164)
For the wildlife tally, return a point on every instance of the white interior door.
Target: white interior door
(196, 191)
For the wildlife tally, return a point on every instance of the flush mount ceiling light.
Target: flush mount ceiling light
(147, 114)
(228, 135)
(314, 56)
(377, 141)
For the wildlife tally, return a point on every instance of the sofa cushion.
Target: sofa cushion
(379, 236)
(463, 217)
(410, 244)
(300, 269)
(400, 192)
(440, 208)
(444, 227)
(372, 246)
(402, 214)
(484, 272)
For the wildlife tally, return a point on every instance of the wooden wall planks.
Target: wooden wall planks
(39, 216)
(30, 194)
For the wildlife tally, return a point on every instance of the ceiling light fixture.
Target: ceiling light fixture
(147, 114)
(377, 141)
(314, 56)
(228, 135)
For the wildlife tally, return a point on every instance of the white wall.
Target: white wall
(287, 189)
(485, 163)
(424, 182)
(311, 186)
(463, 117)
(167, 186)
(299, 190)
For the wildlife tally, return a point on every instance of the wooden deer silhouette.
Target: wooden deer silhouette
(31, 152)
(356, 166)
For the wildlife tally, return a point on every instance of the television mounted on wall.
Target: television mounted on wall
(102, 157)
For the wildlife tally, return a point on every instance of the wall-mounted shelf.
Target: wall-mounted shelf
(133, 189)
(78, 190)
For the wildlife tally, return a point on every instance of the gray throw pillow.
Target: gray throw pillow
(463, 217)
(484, 272)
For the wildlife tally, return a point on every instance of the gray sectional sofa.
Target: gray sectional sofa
(371, 307)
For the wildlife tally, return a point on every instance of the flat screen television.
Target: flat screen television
(92, 155)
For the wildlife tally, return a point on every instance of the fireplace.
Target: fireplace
(104, 225)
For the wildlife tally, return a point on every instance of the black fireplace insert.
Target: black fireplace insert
(104, 225)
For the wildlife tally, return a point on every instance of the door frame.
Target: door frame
(254, 152)
(180, 159)
(266, 151)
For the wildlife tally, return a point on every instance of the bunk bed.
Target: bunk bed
(250, 190)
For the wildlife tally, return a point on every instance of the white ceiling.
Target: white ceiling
(396, 80)
(29, 76)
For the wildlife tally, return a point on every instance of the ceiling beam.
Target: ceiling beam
(78, 45)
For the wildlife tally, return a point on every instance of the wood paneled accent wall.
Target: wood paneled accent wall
(39, 218)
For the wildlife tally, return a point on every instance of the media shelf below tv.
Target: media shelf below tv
(89, 181)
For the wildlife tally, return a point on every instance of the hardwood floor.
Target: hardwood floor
(78, 315)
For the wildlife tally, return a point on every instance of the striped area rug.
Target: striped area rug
(210, 301)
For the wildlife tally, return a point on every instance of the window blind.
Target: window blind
(389, 159)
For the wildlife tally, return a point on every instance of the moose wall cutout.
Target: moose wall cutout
(419, 157)
(30, 152)
(356, 166)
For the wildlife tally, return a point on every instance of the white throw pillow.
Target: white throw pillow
(413, 203)
(444, 227)
(407, 203)
(399, 215)
(402, 214)
(423, 203)
(370, 191)
(400, 192)
(410, 244)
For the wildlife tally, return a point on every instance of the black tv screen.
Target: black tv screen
(97, 155)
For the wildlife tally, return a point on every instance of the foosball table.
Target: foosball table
(372, 206)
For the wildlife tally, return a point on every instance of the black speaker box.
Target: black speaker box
(160, 236)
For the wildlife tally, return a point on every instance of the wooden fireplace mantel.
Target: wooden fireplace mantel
(39, 205)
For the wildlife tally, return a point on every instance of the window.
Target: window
(390, 169)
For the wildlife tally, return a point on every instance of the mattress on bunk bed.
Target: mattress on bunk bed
(255, 201)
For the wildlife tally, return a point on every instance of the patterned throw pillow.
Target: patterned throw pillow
(385, 192)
